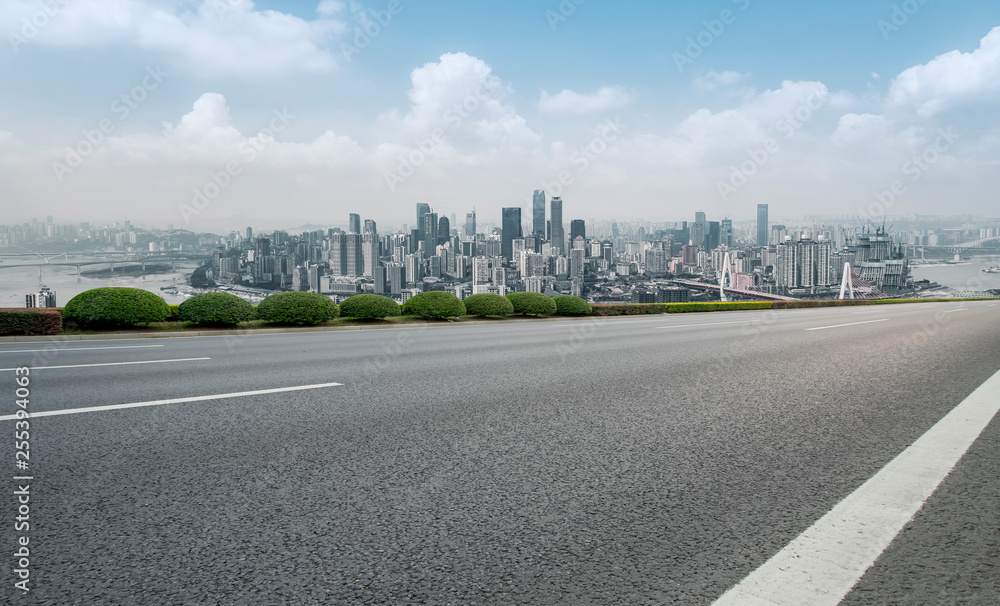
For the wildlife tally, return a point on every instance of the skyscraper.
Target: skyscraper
(470, 224)
(511, 229)
(355, 256)
(338, 254)
(430, 230)
(422, 210)
(355, 224)
(726, 234)
(762, 225)
(577, 228)
(369, 252)
(443, 230)
(557, 235)
(538, 213)
(370, 226)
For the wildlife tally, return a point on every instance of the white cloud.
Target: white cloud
(949, 79)
(568, 101)
(714, 79)
(209, 39)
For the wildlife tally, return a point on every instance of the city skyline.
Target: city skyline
(690, 109)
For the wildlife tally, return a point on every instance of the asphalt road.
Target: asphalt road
(648, 460)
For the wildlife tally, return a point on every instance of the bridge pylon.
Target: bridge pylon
(847, 284)
(726, 271)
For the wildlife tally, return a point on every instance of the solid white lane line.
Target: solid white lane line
(108, 364)
(951, 311)
(823, 563)
(708, 324)
(62, 349)
(73, 411)
(849, 324)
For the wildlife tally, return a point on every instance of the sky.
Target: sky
(212, 114)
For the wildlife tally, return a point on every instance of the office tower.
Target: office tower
(370, 227)
(689, 253)
(577, 228)
(422, 210)
(614, 230)
(608, 252)
(355, 263)
(576, 261)
(414, 269)
(538, 213)
(430, 230)
(470, 224)
(511, 229)
(354, 226)
(481, 276)
(713, 236)
(338, 254)
(443, 230)
(726, 233)
(379, 277)
(395, 275)
(414, 241)
(697, 235)
(556, 234)
(369, 252)
(249, 234)
(762, 230)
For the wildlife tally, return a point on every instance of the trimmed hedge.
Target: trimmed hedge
(297, 307)
(20, 321)
(633, 309)
(215, 309)
(369, 307)
(435, 304)
(532, 303)
(115, 306)
(174, 312)
(488, 304)
(568, 305)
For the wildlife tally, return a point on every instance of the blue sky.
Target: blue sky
(701, 99)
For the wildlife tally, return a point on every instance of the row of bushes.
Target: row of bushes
(21, 321)
(117, 307)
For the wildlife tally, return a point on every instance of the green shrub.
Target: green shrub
(567, 305)
(21, 321)
(434, 304)
(532, 303)
(114, 306)
(215, 309)
(488, 304)
(369, 307)
(302, 308)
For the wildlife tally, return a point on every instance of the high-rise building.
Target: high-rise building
(713, 237)
(338, 254)
(380, 284)
(395, 276)
(430, 231)
(576, 262)
(556, 234)
(369, 251)
(370, 227)
(577, 229)
(511, 229)
(470, 224)
(538, 213)
(355, 259)
(355, 224)
(43, 298)
(443, 230)
(726, 233)
(762, 230)
(422, 210)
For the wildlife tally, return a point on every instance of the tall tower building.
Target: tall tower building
(422, 210)
(762, 225)
(338, 254)
(443, 230)
(577, 228)
(511, 230)
(370, 227)
(369, 251)
(355, 256)
(430, 231)
(355, 224)
(557, 235)
(538, 213)
(470, 224)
